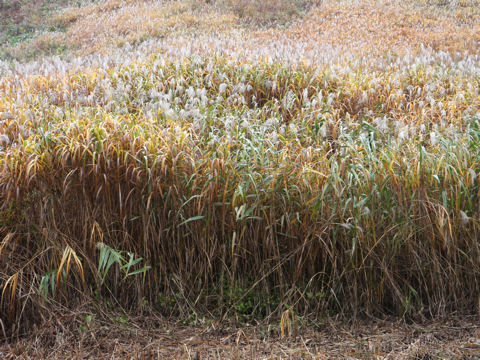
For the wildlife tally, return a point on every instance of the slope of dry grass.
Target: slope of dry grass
(21, 21)
(353, 27)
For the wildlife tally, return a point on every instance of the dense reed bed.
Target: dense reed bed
(225, 187)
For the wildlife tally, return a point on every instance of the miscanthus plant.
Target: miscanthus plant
(242, 187)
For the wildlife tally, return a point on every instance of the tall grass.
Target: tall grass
(241, 189)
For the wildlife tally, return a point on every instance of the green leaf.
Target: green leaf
(194, 218)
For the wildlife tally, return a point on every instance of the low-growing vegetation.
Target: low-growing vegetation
(23, 20)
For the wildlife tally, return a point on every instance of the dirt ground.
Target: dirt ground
(83, 336)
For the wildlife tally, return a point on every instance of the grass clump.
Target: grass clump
(269, 12)
(239, 188)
